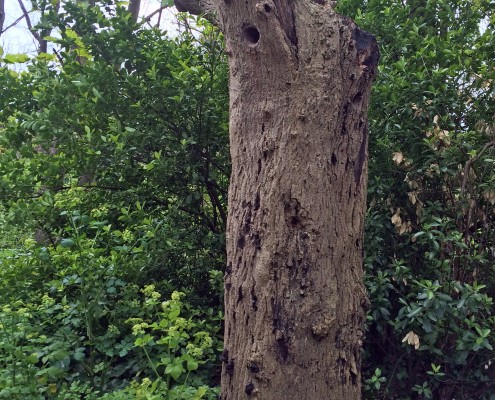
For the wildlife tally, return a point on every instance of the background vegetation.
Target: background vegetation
(114, 164)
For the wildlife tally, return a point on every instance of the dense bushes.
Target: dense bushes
(430, 234)
(114, 166)
(114, 169)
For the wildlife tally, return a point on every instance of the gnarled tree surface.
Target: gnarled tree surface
(300, 78)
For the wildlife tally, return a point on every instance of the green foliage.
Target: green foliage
(375, 382)
(142, 124)
(431, 221)
(114, 165)
(176, 346)
(114, 170)
(75, 328)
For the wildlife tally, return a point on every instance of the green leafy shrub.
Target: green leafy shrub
(116, 160)
(87, 330)
(430, 226)
(114, 168)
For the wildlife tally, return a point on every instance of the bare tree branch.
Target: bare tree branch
(42, 43)
(159, 18)
(28, 19)
(12, 24)
(157, 11)
(134, 7)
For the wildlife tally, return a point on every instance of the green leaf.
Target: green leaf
(79, 354)
(96, 93)
(52, 39)
(32, 359)
(59, 355)
(414, 312)
(191, 363)
(175, 370)
(200, 392)
(67, 243)
(16, 58)
(46, 57)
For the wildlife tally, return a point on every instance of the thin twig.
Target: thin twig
(159, 19)
(12, 24)
(28, 22)
(159, 10)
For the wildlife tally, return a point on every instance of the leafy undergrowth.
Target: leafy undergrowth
(114, 169)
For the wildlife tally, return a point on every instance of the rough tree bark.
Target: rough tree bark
(300, 78)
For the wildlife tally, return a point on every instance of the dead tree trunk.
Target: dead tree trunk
(300, 78)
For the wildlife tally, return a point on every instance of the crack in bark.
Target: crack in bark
(285, 15)
(281, 330)
(361, 159)
(254, 300)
